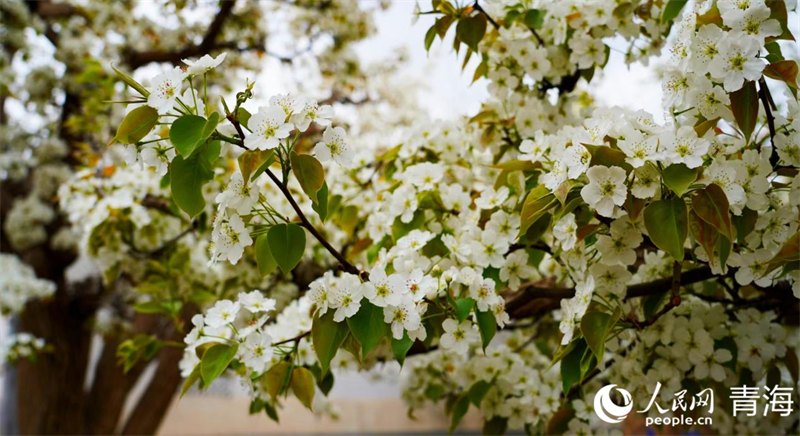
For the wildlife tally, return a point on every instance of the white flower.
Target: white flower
(347, 298)
(755, 22)
(164, 90)
(321, 292)
(646, 182)
(533, 149)
(567, 325)
(382, 290)
(565, 231)
(311, 111)
(402, 316)
(586, 51)
(204, 64)
(287, 102)
(424, 175)
(223, 313)
(638, 147)
(257, 351)
(256, 302)
(577, 159)
(457, 337)
(269, 127)
(515, 268)
(788, 148)
(419, 285)
(737, 62)
(606, 189)
(618, 248)
(237, 195)
(483, 292)
(710, 100)
(490, 249)
(230, 237)
(403, 203)
(705, 47)
(683, 147)
(333, 146)
(709, 364)
(414, 240)
(490, 198)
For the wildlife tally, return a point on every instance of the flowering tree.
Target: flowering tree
(513, 262)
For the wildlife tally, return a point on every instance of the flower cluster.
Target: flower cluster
(19, 284)
(21, 346)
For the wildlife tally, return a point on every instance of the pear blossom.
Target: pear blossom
(238, 196)
(402, 316)
(333, 146)
(606, 189)
(382, 290)
(165, 89)
(230, 237)
(737, 62)
(204, 64)
(457, 336)
(268, 127)
(683, 147)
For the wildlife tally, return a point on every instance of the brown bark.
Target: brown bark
(50, 396)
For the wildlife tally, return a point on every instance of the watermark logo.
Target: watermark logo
(607, 410)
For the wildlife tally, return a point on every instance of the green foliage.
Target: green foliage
(215, 360)
(711, 205)
(470, 30)
(460, 408)
(571, 363)
(327, 336)
(309, 173)
(672, 9)
(140, 348)
(303, 386)
(595, 327)
(678, 177)
(186, 133)
(287, 242)
(277, 378)
(744, 104)
(534, 18)
(187, 177)
(487, 325)
(130, 82)
(264, 259)
(320, 206)
(400, 348)
(367, 326)
(667, 224)
(537, 203)
(191, 380)
(136, 125)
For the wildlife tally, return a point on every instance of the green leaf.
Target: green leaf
(400, 348)
(460, 409)
(495, 426)
(191, 380)
(186, 132)
(462, 307)
(790, 252)
(266, 263)
(607, 156)
(672, 10)
(430, 35)
(778, 12)
(309, 173)
(215, 360)
(745, 223)
(187, 177)
(149, 307)
(471, 30)
(136, 125)
(487, 326)
(269, 409)
(253, 163)
(303, 386)
(744, 104)
(277, 377)
(534, 18)
(478, 391)
(287, 242)
(367, 326)
(537, 203)
(130, 82)
(679, 177)
(712, 206)
(327, 336)
(571, 364)
(588, 363)
(667, 224)
(785, 71)
(595, 326)
(321, 205)
(705, 234)
(792, 364)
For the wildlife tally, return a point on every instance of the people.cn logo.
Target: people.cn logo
(607, 410)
